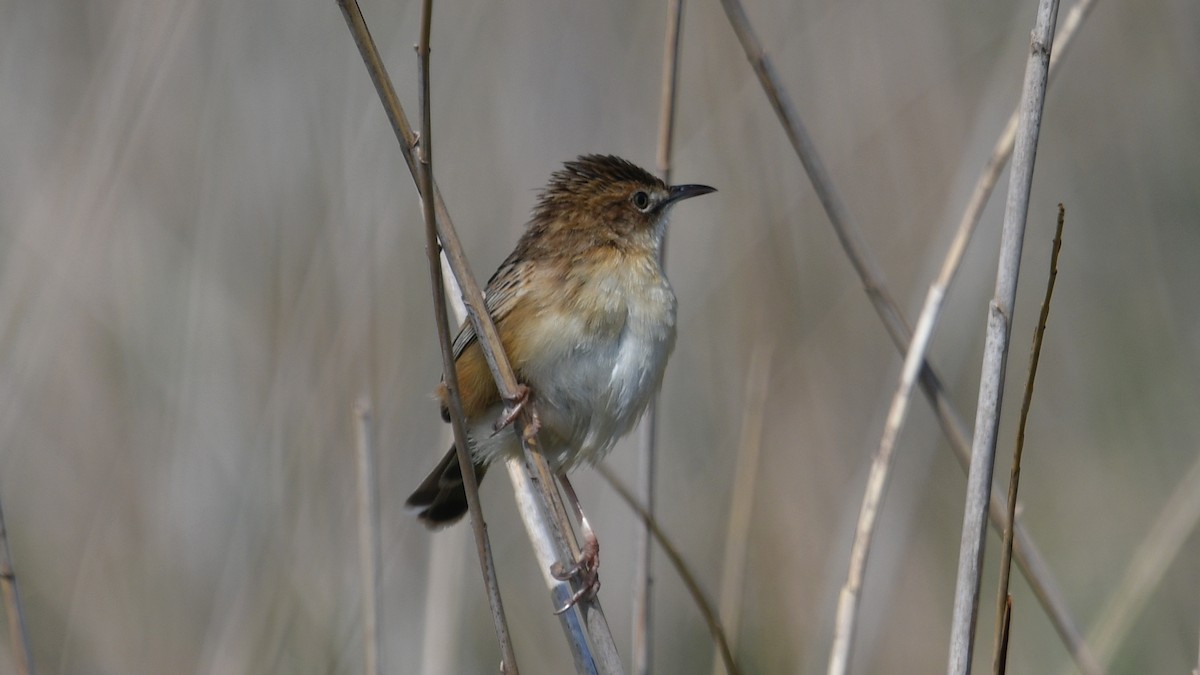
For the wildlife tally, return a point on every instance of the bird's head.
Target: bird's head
(609, 198)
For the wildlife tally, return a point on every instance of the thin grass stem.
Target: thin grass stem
(643, 604)
(681, 568)
(1003, 600)
(485, 329)
(18, 631)
(1028, 555)
(996, 344)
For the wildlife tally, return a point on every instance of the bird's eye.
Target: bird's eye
(641, 200)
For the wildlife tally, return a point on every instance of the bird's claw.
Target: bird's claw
(586, 570)
(513, 409)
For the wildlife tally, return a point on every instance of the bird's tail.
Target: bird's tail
(441, 499)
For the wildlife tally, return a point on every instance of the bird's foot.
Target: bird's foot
(586, 570)
(512, 410)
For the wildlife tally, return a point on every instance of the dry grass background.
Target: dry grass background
(209, 247)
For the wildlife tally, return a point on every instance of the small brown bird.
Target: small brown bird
(586, 317)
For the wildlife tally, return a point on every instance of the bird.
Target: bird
(587, 318)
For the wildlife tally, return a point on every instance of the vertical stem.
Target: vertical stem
(433, 252)
(643, 618)
(1029, 558)
(669, 91)
(1003, 601)
(846, 619)
(444, 590)
(546, 549)
(914, 359)
(17, 630)
(489, 342)
(1002, 633)
(685, 574)
(1000, 312)
(368, 534)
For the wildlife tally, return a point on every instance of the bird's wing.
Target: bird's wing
(478, 391)
(503, 292)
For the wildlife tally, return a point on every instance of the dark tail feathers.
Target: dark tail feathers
(441, 498)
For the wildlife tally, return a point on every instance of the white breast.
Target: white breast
(641, 358)
(595, 392)
(590, 385)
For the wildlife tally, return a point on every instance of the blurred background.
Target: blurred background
(210, 247)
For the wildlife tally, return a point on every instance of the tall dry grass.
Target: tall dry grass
(196, 199)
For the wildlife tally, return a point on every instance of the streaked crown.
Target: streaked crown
(609, 192)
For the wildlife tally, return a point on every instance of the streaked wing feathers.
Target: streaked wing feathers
(503, 291)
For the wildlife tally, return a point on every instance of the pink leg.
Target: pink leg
(587, 567)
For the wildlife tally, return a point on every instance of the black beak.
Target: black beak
(681, 192)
